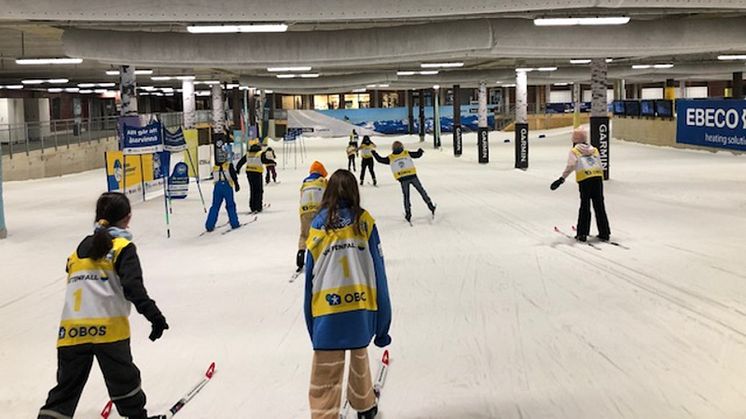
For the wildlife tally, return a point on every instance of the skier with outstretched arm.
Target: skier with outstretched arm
(104, 280)
(346, 300)
(402, 166)
(585, 161)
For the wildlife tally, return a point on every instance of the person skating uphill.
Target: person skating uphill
(351, 154)
(584, 160)
(226, 180)
(366, 159)
(271, 167)
(104, 280)
(254, 160)
(402, 166)
(311, 192)
(346, 300)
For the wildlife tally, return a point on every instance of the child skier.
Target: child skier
(270, 156)
(311, 192)
(367, 161)
(402, 166)
(346, 300)
(254, 161)
(225, 178)
(104, 279)
(351, 153)
(584, 160)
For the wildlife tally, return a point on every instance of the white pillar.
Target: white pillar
(483, 146)
(128, 90)
(576, 99)
(682, 89)
(218, 114)
(190, 108)
(482, 110)
(600, 129)
(521, 97)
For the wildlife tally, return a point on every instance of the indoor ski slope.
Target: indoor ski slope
(495, 314)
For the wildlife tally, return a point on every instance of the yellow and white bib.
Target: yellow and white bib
(366, 151)
(254, 162)
(344, 277)
(311, 193)
(95, 308)
(402, 165)
(587, 166)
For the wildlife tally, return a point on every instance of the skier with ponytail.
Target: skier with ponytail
(104, 279)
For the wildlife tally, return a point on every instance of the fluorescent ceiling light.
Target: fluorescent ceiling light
(547, 68)
(72, 89)
(14, 86)
(179, 90)
(147, 88)
(112, 72)
(524, 70)
(99, 91)
(286, 69)
(429, 72)
(209, 82)
(383, 85)
(286, 76)
(144, 94)
(731, 57)
(86, 85)
(371, 86)
(85, 92)
(54, 90)
(436, 87)
(269, 92)
(359, 91)
(160, 78)
(43, 61)
(560, 84)
(167, 89)
(58, 81)
(281, 27)
(499, 82)
(510, 85)
(169, 93)
(309, 76)
(32, 81)
(580, 61)
(640, 66)
(405, 73)
(231, 85)
(573, 21)
(157, 94)
(663, 66)
(185, 77)
(243, 88)
(107, 84)
(441, 65)
(609, 60)
(137, 72)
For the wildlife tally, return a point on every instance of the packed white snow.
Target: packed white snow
(495, 315)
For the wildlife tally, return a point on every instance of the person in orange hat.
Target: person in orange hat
(311, 192)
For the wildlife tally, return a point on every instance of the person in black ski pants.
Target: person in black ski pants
(402, 166)
(255, 160)
(366, 160)
(104, 279)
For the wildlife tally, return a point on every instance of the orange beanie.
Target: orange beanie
(319, 168)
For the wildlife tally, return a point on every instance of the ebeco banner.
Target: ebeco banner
(712, 123)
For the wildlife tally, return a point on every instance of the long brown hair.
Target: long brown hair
(111, 208)
(341, 191)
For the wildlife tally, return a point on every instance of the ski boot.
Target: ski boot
(432, 208)
(368, 414)
(603, 238)
(581, 238)
(361, 182)
(375, 183)
(408, 217)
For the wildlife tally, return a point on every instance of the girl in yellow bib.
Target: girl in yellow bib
(104, 280)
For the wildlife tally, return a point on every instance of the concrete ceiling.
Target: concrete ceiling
(366, 42)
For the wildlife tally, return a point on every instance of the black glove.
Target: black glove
(383, 341)
(159, 325)
(238, 187)
(556, 184)
(420, 150)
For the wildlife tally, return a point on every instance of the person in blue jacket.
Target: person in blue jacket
(226, 180)
(346, 299)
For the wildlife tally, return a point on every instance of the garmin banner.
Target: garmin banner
(458, 144)
(483, 145)
(178, 182)
(174, 141)
(142, 140)
(521, 146)
(600, 137)
(712, 123)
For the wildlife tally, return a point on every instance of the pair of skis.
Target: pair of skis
(230, 229)
(594, 244)
(179, 404)
(383, 369)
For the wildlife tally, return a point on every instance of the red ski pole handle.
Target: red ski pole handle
(385, 357)
(210, 371)
(107, 410)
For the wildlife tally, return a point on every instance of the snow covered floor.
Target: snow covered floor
(495, 315)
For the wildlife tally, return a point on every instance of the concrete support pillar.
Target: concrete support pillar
(547, 95)
(669, 91)
(422, 115)
(236, 107)
(341, 101)
(738, 85)
(436, 117)
(521, 120)
(682, 89)
(128, 90)
(600, 129)
(620, 90)
(252, 108)
(410, 112)
(506, 101)
(263, 117)
(457, 140)
(576, 99)
(218, 114)
(483, 145)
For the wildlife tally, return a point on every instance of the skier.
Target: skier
(346, 300)
(104, 279)
(584, 160)
(351, 153)
(254, 161)
(367, 161)
(225, 178)
(270, 155)
(311, 192)
(354, 137)
(404, 171)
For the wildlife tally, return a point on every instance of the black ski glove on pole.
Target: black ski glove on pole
(556, 184)
(159, 325)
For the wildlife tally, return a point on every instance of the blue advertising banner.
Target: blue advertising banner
(174, 142)
(712, 123)
(178, 182)
(142, 140)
